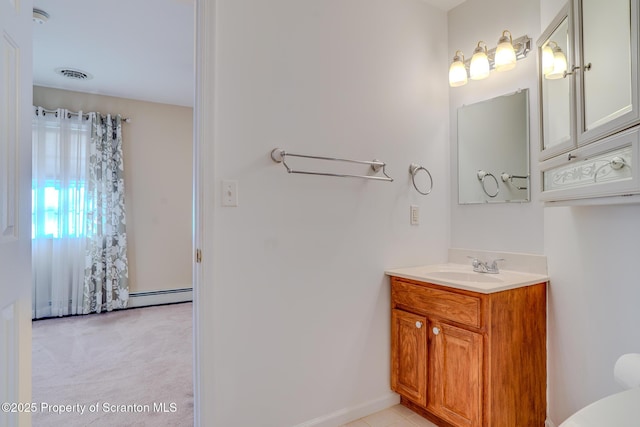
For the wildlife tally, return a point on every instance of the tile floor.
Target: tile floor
(396, 416)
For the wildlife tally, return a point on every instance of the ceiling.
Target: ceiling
(135, 49)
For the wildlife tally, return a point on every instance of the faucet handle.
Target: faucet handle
(475, 262)
(493, 268)
(494, 263)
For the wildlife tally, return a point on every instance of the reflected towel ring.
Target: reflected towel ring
(481, 176)
(413, 170)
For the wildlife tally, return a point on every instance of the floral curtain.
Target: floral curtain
(106, 278)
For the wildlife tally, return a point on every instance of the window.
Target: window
(52, 224)
(59, 177)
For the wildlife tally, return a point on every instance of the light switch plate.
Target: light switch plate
(229, 193)
(414, 215)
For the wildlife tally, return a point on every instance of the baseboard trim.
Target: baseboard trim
(346, 415)
(169, 296)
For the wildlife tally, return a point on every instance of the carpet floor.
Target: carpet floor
(124, 368)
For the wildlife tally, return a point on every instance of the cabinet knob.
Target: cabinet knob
(436, 331)
(617, 163)
(418, 324)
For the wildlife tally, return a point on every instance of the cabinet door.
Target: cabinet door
(607, 67)
(557, 91)
(409, 355)
(456, 362)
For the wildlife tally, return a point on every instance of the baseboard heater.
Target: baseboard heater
(169, 296)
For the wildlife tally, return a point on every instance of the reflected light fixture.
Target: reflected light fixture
(505, 58)
(559, 69)
(547, 58)
(501, 58)
(457, 70)
(40, 16)
(479, 68)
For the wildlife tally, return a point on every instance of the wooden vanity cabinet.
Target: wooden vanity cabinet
(462, 358)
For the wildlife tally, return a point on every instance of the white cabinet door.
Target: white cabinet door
(557, 93)
(607, 67)
(15, 208)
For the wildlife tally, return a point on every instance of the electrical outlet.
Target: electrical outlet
(414, 214)
(230, 193)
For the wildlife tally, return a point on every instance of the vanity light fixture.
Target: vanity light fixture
(501, 58)
(555, 66)
(457, 71)
(479, 68)
(505, 58)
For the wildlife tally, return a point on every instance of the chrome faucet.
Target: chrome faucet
(490, 267)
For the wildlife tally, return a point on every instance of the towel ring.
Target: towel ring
(481, 176)
(413, 170)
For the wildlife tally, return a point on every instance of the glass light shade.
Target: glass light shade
(505, 57)
(479, 68)
(547, 60)
(457, 71)
(559, 65)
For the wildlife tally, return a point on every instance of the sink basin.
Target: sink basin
(461, 276)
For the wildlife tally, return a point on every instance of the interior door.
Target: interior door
(15, 210)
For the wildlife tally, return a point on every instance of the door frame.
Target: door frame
(204, 196)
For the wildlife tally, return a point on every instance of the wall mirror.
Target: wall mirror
(493, 150)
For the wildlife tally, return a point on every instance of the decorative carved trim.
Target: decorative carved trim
(591, 171)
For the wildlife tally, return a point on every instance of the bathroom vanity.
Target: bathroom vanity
(469, 349)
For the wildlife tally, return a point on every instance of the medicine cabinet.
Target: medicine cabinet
(588, 83)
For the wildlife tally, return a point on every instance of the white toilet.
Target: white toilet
(618, 410)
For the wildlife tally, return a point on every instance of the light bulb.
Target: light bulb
(457, 71)
(479, 68)
(505, 58)
(559, 65)
(547, 59)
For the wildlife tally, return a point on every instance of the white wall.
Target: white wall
(593, 256)
(299, 304)
(514, 227)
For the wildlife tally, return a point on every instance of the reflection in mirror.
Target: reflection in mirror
(493, 150)
(555, 86)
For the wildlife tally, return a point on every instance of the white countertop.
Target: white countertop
(462, 276)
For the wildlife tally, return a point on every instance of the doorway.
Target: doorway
(151, 194)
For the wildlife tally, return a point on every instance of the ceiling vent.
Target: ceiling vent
(74, 74)
(40, 16)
